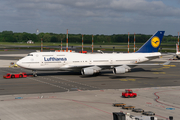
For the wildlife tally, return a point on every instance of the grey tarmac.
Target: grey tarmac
(56, 95)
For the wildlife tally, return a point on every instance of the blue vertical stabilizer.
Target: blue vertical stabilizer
(152, 45)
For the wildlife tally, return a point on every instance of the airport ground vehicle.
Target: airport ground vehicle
(128, 116)
(118, 104)
(128, 107)
(12, 75)
(14, 65)
(138, 110)
(148, 113)
(128, 93)
(82, 51)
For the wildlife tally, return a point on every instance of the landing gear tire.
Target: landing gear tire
(12, 76)
(34, 73)
(177, 57)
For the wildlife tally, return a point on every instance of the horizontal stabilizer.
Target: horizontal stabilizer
(167, 63)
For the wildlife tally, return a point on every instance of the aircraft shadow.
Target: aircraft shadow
(102, 73)
(144, 70)
(94, 75)
(57, 73)
(118, 77)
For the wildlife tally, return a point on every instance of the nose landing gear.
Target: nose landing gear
(34, 73)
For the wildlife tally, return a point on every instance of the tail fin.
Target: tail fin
(152, 45)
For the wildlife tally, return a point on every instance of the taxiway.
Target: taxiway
(57, 95)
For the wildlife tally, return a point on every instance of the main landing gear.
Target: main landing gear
(34, 73)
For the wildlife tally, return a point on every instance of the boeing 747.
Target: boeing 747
(89, 64)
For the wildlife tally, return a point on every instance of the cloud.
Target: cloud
(143, 7)
(94, 16)
(94, 7)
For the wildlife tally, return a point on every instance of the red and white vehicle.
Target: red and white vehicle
(82, 51)
(15, 75)
(128, 93)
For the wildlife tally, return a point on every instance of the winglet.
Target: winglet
(152, 45)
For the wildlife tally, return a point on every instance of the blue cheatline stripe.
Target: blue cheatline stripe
(170, 108)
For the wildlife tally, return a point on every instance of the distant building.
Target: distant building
(30, 42)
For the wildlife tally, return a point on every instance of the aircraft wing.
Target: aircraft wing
(152, 57)
(101, 67)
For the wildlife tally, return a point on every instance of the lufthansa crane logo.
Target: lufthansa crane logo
(155, 42)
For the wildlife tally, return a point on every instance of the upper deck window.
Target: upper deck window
(30, 54)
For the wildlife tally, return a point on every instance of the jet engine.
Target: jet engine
(87, 71)
(90, 70)
(177, 57)
(120, 69)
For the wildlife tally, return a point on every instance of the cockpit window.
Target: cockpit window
(30, 55)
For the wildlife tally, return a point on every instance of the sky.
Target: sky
(90, 16)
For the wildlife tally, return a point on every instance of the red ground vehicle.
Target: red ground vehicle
(82, 51)
(128, 93)
(19, 75)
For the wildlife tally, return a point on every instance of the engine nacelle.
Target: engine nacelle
(178, 57)
(87, 71)
(120, 69)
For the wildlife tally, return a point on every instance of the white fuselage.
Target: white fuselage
(71, 61)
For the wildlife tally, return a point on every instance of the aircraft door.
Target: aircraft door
(42, 62)
(111, 61)
(90, 61)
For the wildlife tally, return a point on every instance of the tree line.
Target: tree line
(10, 36)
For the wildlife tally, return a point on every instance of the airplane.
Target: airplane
(89, 64)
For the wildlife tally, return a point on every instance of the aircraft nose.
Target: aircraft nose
(19, 63)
